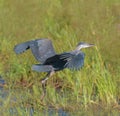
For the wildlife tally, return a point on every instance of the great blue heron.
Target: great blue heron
(50, 62)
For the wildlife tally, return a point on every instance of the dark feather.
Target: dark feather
(56, 62)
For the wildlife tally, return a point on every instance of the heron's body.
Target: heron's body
(59, 61)
(44, 52)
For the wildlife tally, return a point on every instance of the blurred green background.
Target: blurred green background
(65, 22)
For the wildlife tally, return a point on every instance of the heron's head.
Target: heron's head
(83, 45)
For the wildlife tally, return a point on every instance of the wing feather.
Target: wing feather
(41, 48)
(20, 48)
(42, 68)
(74, 61)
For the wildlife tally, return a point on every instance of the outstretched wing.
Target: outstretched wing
(41, 48)
(74, 61)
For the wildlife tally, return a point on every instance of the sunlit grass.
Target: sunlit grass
(66, 23)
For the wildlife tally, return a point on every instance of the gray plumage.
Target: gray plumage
(41, 48)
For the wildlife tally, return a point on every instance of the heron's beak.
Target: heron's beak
(84, 45)
(89, 45)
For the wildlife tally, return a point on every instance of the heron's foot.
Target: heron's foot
(43, 88)
(42, 97)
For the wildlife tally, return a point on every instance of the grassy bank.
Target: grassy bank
(95, 86)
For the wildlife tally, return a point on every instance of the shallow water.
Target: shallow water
(50, 111)
(13, 111)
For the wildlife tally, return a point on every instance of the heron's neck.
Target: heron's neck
(78, 48)
(76, 51)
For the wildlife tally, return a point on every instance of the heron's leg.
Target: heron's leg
(45, 78)
(43, 81)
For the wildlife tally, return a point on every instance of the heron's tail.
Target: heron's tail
(42, 68)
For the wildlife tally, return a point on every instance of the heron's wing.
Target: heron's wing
(42, 68)
(74, 61)
(41, 48)
(20, 48)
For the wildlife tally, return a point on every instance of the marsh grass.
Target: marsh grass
(95, 86)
